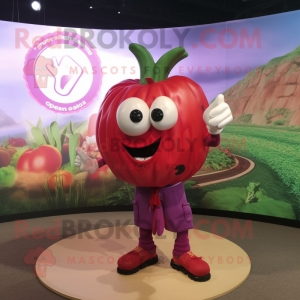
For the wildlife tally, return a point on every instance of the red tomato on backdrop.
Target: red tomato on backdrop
(45, 158)
(65, 176)
(181, 149)
(92, 125)
(17, 142)
(5, 157)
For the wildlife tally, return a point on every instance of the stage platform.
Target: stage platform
(84, 266)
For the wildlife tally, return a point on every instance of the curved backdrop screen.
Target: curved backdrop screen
(53, 80)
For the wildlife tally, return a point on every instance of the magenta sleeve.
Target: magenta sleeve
(212, 140)
(101, 162)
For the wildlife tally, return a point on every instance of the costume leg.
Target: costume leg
(182, 243)
(185, 261)
(146, 240)
(142, 256)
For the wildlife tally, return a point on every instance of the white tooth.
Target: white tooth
(142, 158)
(37, 77)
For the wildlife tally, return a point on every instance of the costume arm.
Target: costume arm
(101, 162)
(212, 140)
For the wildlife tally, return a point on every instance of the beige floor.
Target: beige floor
(273, 249)
(85, 267)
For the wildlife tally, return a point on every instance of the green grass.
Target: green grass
(262, 173)
(244, 119)
(269, 127)
(217, 159)
(286, 115)
(278, 122)
(270, 75)
(279, 150)
(77, 196)
(9, 206)
(282, 59)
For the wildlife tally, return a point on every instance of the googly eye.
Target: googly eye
(133, 116)
(163, 113)
(44, 68)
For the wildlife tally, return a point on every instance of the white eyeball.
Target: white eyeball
(163, 113)
(133, 116)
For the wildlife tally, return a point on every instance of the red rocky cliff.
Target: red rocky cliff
(269, 93)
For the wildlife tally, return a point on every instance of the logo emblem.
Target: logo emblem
(62, 72)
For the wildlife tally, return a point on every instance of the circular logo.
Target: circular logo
(62, 72)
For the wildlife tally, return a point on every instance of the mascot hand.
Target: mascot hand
(217, 115)
(85, 163)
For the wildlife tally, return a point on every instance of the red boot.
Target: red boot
(135, 260)
(191, 265)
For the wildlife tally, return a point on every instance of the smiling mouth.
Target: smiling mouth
(143, 153)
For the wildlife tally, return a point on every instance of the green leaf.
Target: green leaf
(39, 123)
(252, 186)
(260, 194)
(46, 133)
(67, 167)
(225, 199)
(51, 138)
(72, 128)
(78, 128)
(30, 124)
(73, 143)
(34, 146)
(38, 136)
(270, 207)
(54, 129)
(64, 131)
(233, 199)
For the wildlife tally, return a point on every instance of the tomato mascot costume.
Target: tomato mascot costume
(155, 133)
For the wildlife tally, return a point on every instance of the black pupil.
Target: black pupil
(136, 116)
(157, 115)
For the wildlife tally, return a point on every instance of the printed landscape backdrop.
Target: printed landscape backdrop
(255, 63)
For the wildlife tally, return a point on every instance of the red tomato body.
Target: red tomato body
(183, 144)
(45, 158)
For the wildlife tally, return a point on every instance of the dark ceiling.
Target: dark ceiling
(139, 14)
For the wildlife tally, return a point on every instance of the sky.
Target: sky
(210, 57)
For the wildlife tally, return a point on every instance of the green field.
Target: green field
(277, 163)
(280, 150)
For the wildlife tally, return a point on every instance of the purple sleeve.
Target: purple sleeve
(101, 162)
(212, 140)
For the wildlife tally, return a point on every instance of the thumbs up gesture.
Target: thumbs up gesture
(85, 163)
(217, 115)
